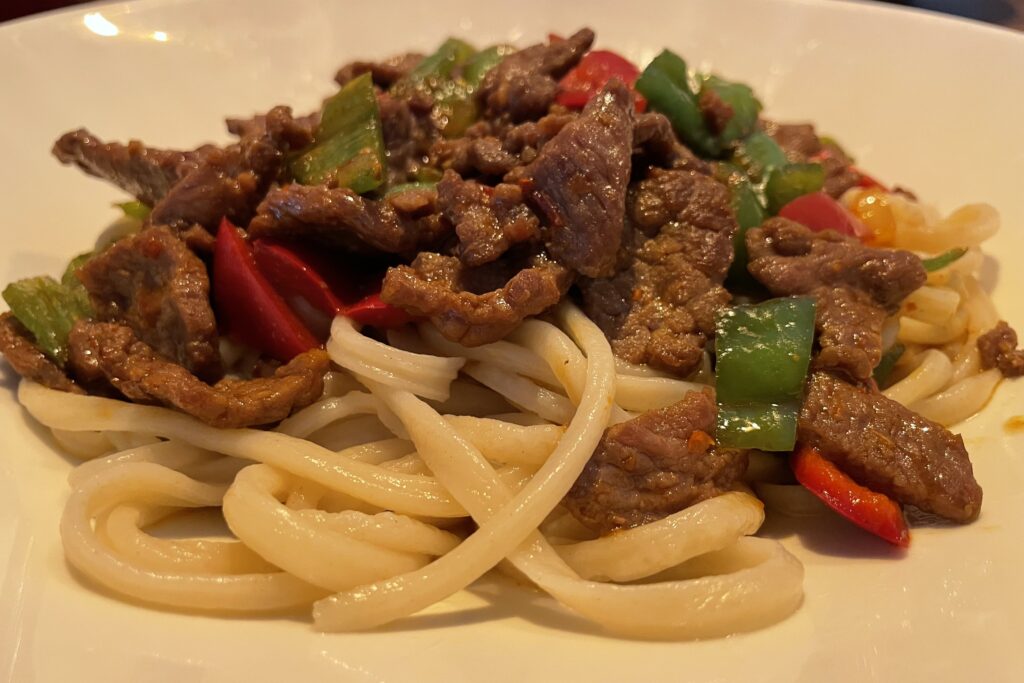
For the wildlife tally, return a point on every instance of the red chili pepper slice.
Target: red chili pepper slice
(292, 276)
(591, 75)
(248, 307)
(820, 212)
(374, 311)
(871, 511)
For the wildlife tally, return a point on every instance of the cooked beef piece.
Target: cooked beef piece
(198, 239)
(152, 282)
(385, 73)
(849, 327)
(297, 132)
(855, 286)
(716, 112)
(660, 308)
(889, 448)
(474, 306)
(18, 347)
(654, 465)
(578, 183)
(229, 182)
(488, 220)
(142, 375)
(654, 138)
(490, 149)
(998, 348)
(408, 136)
(801, 143)
(524, 84)
(142, 171)
(338, 217)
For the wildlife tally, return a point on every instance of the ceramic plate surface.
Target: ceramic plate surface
(930, 103)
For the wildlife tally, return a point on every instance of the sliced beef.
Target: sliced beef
(230, 182)
(717, 113)
(654, 138)
(660, 307)
(487, 220)
(152, 282)
(136, 370)
(524, 84)
(338, 217)
(801, 144)
(654, 465)
(475, 306)
(855, 286)
(998, 348)
(889, 449)
(409, 134)
(145, 172)
(578, 183)
(491, 149)
(20, 350)
(384, 73)
(297, 132)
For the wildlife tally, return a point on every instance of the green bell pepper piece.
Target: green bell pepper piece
(749, 214)
(745, 107)
(788, 182)
(758, 154)
(665, 83)
(762, 352)
(48, 310)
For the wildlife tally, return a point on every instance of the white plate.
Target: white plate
(932, 103)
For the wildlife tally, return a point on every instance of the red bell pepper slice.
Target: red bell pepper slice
(248, 306)
(871, 511)
(298, 272)
(591, 75)
(374, 311)
(292, 275)
(820, 212)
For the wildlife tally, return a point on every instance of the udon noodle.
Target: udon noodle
(427, 464)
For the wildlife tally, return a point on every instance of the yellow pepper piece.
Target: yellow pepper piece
(871, 206)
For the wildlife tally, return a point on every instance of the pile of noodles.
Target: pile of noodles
(427, 464)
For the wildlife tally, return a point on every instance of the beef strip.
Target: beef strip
(801, 144)
(578, 183)
(229, 182)
(145, 172)
(487, 220)
(474, 306)
(338, 217)
(408, 136)
(152, 282)
(654, 465)
(660, 307)
(494, 150)
(524, 84)
(141, 374)
(855, 286)
(890, 449)
(20, 350)
(998, 348)
(384, 73)
(654, 138)
(716, 112)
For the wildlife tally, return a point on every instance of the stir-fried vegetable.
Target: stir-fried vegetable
(248, 307)
(872, 208)
(296, 272)
(749, 214)
(762, 355)
(888, 362)
(758, 154)
(438, 76)
(666, 85)
(591, 75)
(871, 511)
(48, 309)
(135, 209)
(788, 182)
(438, 66)
(942, 260)
(820, 212)
(349, 147)
(474, 70)
(740, 98)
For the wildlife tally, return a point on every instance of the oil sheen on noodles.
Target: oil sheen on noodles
(357, 504)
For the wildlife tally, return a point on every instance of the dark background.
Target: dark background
(1003, 12)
